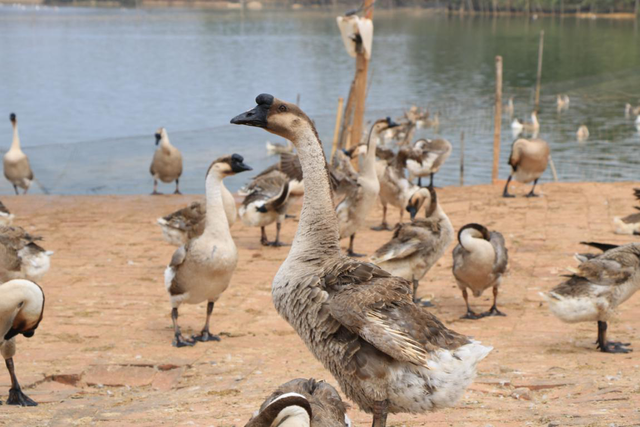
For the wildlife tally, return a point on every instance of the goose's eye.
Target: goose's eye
(283, 108)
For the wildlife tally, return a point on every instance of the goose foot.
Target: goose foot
(156, 193)
(17, 397)
(507, 195)
(277, 244)
(180, 341)
(355, 255)
(205, 336)
(615, 347)
(423, 303)
(177, 192)
(382, 227)
(493, 312)
(287, 216)
(532, 194)
(470, 315)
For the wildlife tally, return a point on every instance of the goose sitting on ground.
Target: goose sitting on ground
(528, 160)
(201, 270)
(479, 261)
(562, 102)
(275, 148)
(17, 169)
(416, 246)
(302, 403)
(629, 224)
(387, 354)
(596, 288)
(433, 153)
(20, 256)
(21, 310)
(166, 165)
(6, 217)
(353, 210)
(266, 203)
(583, 133)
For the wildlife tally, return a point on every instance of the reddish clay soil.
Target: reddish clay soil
(103, 356)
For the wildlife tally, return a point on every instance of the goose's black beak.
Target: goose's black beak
(158, 138)
(391, 123)
(258, 116)
(238, 165)
(412, 211)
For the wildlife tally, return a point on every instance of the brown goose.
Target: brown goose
(17, 169)
(528, 160)
(201, 270)
(387, 354)
(479, 260)
(20, 256)
(166, 165)
(21, 310)
(6, 217)
(416, 246)
(596, 288)
(629, 224)
(302, 403)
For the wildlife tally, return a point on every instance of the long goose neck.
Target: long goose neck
(369, 164)
(165, 144)
(216, 219)
(317, 232)
(471, 243)
(15, 144)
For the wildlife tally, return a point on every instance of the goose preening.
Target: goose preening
(302, 403)
(17, 169)
(166, 165)
(629, 224)
(267, 202)
(509, 108)
(21, 310)
(562, 102)
(275, 148)
(6, 217)
(479, 260)
(387, 354)
(354, 208)
(583, 133)
(416, 246)
(433, 153)
(596, 288)
(528, 161)
(20, 256)
(201, 270)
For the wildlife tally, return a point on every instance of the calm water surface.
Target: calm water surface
(91, 86)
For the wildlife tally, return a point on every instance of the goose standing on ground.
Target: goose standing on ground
(20, 256)
(266, 203)
(275, 148)
(416, 246)
(302, 403)
(166, 165)
(433, 154)
(596, 288)
(562, 102)
(353, 210)
(629, 224)
(528, 160)
(21, 310)
(387, 354)
(201, 270)
(6, 217)
(583, 133)
(17, 169)
(479, 261)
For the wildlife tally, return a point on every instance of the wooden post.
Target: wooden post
(336, 130)
(461, 158)
(346, 118)
(539, 77)
(497, 120)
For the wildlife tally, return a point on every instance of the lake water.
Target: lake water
(91, 86)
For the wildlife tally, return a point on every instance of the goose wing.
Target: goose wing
(186, 218)
(265, 186)
(611, 268)
(631, 219)
(290, 166)
(502, 256)
(379, 308)
(408, 239)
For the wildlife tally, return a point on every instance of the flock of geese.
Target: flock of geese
(362, 320)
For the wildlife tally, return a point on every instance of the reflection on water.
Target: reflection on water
(90, 87)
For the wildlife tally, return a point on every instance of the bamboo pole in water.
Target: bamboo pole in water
(336, 130)
(497, 120)
(346, 118)
(461, 158)
(539, 77)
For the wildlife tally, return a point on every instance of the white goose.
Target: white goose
(17, 169)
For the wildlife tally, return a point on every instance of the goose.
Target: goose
(275, 148)
(629, 224)
(302, 403)
(289, 165)
(596, 288)
(166, 165)
(528, 161)
(17, 168)
(21, 310)
(201, 270)
(6, 217)
(266, 203)
(637, 122)
(186, 223)
(630, 110)
(534, 126)
(416, 246)
(395, 189)
(516, 127)
(479, 260)
(354, 208)
(387, 354)
(20, 256)
(583, 133)
(433, 154)
(562, 102)
(509, 108)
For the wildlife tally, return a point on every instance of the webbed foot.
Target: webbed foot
(205, 336)
(382, 227)
(615, 347)
(472, 315)
(493, 312)
(17, 397)
(180, 341)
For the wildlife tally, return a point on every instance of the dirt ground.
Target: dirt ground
(103, 356)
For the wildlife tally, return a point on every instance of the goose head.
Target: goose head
(286, 410)
(424, 196)
(29, 309)
(278, 117)
(228, 165)
(475, 231)
(160, 133)
(13, 118)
